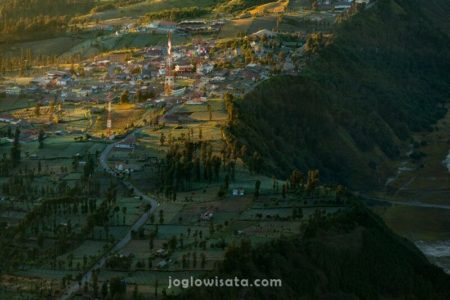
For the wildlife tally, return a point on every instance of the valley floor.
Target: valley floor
(422, 183)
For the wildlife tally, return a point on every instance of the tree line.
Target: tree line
(21, 18)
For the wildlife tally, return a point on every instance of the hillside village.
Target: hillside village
(117, 170)
(213, 66)
(208, 63)
(202, 71)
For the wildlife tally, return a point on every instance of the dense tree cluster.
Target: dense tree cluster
(177, 14)
(191, 159)
(325, 119)
(52, 208)
(246, 54)
(367, 262)
(24, 60)
(38, 17)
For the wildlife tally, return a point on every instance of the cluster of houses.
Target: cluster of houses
(9, 119)
(164, 26)
(339, 5)
(202, 70)
(143, 73)
(186, 26)
(42, 84)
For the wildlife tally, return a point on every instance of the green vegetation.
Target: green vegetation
(349, 128)
(23, 18)
(171, 187)
(177, 14)
(238, 5)
(347, 255)
(113, 4)
(103, 7)
(437, 11)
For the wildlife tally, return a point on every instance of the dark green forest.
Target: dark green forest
(348, 255)
(382, 75)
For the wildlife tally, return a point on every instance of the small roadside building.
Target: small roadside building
(239, 191)
(13, 91)
(127, 144)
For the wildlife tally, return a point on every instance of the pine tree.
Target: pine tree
(41, 137)
(257, 188)
(15, 150)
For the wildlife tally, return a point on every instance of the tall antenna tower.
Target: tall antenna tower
(52, 109)
(169, 80)
(109, 121)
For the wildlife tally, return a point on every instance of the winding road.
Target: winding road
(74, 287)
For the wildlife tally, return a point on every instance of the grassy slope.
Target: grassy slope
(140, 9)
(351, 255)
(63, 44)
(238, 5)
(24, 20)
(383, 77)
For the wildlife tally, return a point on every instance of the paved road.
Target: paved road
(407, 203)
(74, 287)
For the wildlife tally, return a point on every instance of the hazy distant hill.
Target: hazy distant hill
(384, 75)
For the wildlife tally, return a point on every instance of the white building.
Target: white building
(13, 91)
(238, 192)
(204, 69)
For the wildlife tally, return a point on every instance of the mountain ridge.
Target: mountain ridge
(348, 255)
(351, 129)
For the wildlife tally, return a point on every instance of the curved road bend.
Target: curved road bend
(74, 287)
